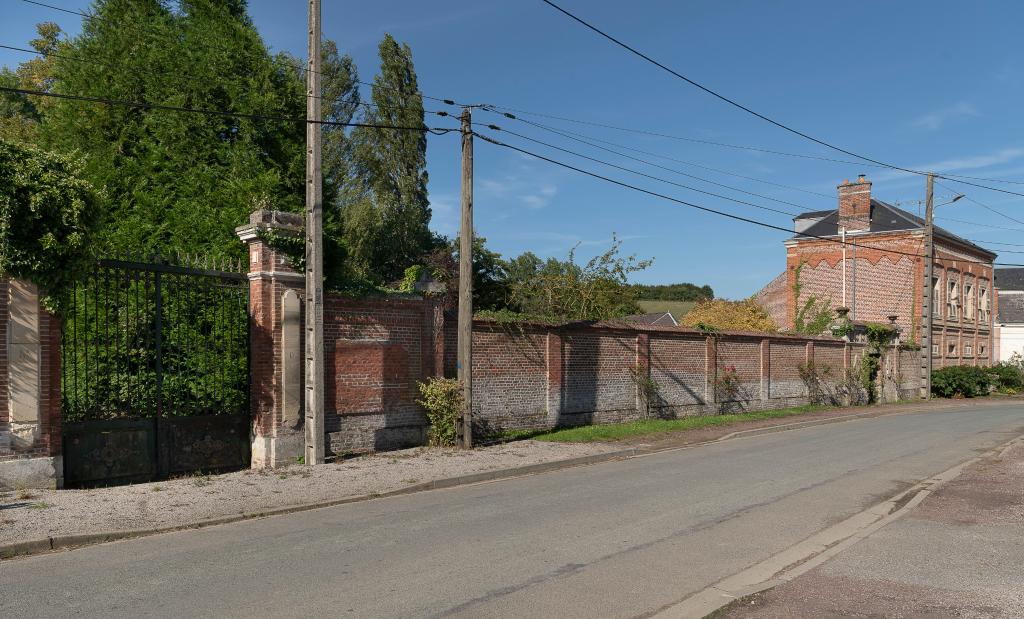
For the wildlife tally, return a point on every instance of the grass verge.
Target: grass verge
(619, 431)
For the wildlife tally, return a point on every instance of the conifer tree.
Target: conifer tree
(387, 216)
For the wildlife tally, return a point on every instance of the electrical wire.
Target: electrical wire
(674, 171)
(984, 206)
(566, 132)
(705, 208)
(222, 113)
(631, 171)
(751, 111)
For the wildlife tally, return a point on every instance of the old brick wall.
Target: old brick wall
(375, 353)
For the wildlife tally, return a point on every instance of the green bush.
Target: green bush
(48, 216)
(1008, 377)
(442, 398)
(962, 381)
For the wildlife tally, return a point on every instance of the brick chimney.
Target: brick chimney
(855, 204)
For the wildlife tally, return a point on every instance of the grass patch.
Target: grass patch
(619, 431)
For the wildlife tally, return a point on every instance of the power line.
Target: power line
(364, 104)
(571, 136)
(984, 206)
(666, 157)
(298, 66)
(631, 171)
(222, 113)
(740, 106)
(974, 223)
(700, 207)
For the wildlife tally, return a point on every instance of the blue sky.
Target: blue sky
(934, 85)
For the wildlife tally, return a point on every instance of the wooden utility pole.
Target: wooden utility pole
(465, 341)
(315, 437)
(928, 295)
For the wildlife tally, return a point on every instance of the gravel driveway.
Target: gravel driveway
(37, 514)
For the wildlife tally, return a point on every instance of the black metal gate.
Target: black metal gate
(155, 373)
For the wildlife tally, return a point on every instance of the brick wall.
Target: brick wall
(375, 353)
(533, 376)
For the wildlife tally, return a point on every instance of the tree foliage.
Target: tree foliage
(179, 183)
(596, 290)
(723, 315)
(387, 210)
(48, 215)
(674, 292)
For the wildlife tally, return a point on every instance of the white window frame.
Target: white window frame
(952, 299)
(969, 304)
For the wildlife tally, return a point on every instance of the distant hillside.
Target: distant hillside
(678, 308)
(674, 292)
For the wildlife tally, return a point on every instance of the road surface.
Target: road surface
(620, 539)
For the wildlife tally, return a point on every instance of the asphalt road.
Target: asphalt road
(619, 539)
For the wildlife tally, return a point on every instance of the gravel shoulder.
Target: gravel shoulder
(41, 514)
(958, 554)
(38, 514)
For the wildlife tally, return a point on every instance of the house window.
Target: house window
(935, 350)
(969, 302)
(936, 293)
(981, 350)
(951, 349)
(984, 305)
(952, 300)
(968, 349)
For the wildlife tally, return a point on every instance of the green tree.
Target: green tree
(20, 114)
(176, 181)
(596, 290)
(387, 216)
(48, 216)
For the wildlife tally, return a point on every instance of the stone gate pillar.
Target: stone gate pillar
(30, 439)
(275, 341)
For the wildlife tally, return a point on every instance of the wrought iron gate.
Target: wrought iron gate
(154, 373)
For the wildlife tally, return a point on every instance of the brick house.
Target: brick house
(883, 275)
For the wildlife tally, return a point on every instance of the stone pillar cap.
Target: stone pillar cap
(266, 219)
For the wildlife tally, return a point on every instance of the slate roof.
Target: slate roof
(660, 319)
(884, 218)
(1010, 279)
(1011, 308)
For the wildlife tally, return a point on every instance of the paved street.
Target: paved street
(614, 540)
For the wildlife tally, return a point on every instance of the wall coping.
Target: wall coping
(620, 326)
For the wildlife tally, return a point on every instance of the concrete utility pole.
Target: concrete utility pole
(465, 341)
(315, 437)
(928, 294)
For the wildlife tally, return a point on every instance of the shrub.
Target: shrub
(961, 381)
(442, 398)
(48, 216)
(727, 388)
(1007, 377)
(722, 315)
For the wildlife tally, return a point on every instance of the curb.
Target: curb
(68, 542)
(815, 550)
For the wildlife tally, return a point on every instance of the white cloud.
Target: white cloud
(518, 189)
(541, 198)
(935, 120)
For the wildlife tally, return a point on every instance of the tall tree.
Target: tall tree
(386, 222)
(20, 114)
(178, 181)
